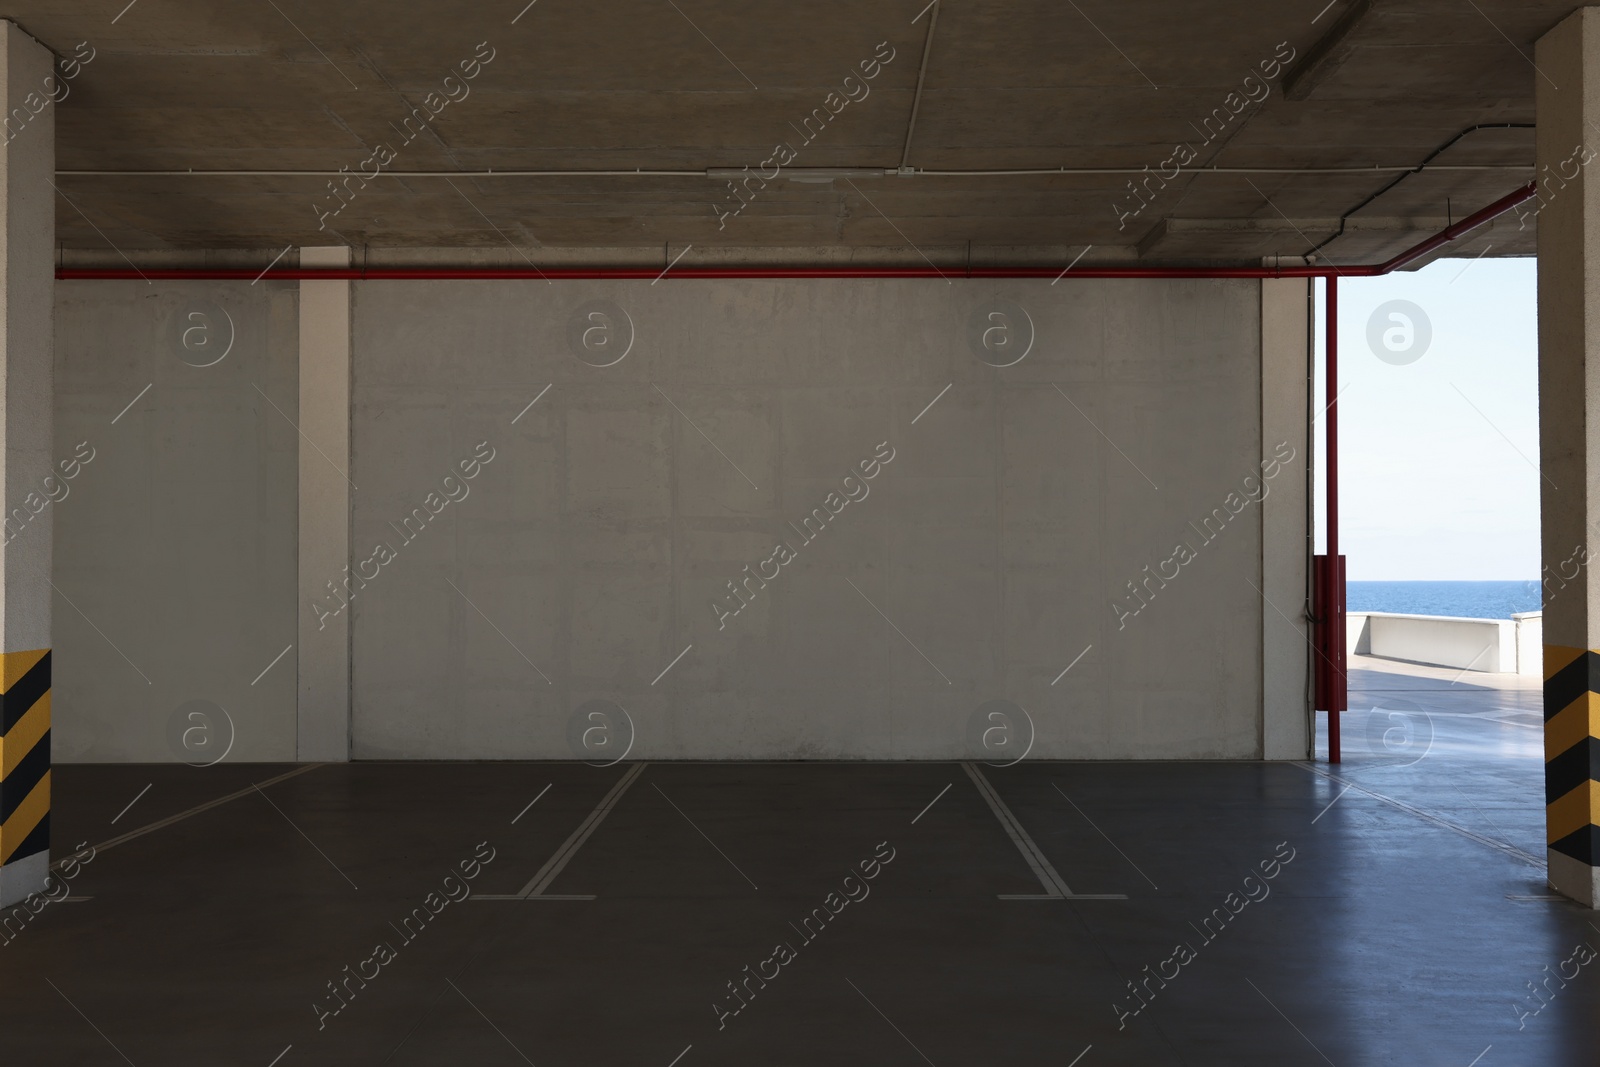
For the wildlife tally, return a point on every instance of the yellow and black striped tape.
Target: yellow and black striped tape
(1572, 752)
(24, 753)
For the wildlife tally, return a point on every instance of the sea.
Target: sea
(1466, 600)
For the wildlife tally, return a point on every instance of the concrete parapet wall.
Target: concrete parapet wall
(1498, 646)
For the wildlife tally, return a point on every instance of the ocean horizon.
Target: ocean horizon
(1468, 600)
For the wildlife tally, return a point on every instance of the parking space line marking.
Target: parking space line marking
(1054, 884)
(1507, 722)
(569, 848)
(1501, 846)
(169, 820)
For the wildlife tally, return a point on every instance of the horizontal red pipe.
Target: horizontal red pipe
(1450, 233)
(1443, 237)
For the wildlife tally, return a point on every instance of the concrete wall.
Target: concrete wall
(990, 554)
(998, 547)
(175, 543)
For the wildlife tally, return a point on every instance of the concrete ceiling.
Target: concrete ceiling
(686, 85)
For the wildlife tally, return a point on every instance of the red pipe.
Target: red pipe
(1443, 237)
(1333, 596)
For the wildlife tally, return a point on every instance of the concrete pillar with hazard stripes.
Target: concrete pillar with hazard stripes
(28, 82)
(24, 773)
(1572, 770)
(1568, 101)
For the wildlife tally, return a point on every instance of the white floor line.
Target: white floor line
(170, 819)
(1508, 722)
(1501, 846)
(535, 889)
(1055, 886)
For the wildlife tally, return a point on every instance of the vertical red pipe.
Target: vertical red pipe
(1334, 627)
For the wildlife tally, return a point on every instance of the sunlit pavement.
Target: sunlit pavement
(1467, 746)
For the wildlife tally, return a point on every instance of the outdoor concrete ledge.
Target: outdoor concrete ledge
(1495, 646)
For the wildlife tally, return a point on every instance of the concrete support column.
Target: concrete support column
(27, 288)
(1285, 521)
(1568, 58)
(324, 541)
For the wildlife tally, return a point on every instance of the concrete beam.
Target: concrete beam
(1327, 55)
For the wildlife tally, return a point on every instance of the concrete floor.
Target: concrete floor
(1403, 931)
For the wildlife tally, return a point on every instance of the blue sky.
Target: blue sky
(1438, 455)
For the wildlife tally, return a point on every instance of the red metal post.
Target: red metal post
(1333, 628)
